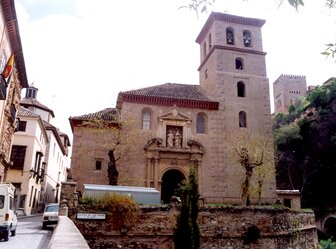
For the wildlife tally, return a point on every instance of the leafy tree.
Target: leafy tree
(327, 244)
(198, 5)
(186, 231)
(306, 149)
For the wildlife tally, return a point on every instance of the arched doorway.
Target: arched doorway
(330, 228)
(171, 181)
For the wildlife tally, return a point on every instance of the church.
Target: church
(158, 132)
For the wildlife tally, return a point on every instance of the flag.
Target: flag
(9, 67)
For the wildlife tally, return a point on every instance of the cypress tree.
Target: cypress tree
(186, 231)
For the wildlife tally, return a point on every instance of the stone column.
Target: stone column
(156, 173)
(148, 166)
(69, 193)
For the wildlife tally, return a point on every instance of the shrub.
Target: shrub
(327, 244)
(122, 211)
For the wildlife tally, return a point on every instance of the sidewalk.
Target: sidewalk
(22, 216)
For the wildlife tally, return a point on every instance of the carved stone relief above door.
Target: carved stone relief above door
(174, 129)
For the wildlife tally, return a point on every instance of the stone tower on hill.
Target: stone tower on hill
(172, 126)
(286, 89)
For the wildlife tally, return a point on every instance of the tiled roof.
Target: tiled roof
(172, 90)
(182, 95)
(47, 125)
(57, 135)
(23, 112)
(34, 102)
(108, 114)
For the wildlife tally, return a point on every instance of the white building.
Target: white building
(28, 150)
(40, 155)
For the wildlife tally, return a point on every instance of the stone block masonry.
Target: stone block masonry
(221, 227)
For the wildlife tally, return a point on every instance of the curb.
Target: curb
(28, 216)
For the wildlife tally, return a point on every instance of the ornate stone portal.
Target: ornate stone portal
(173, 150)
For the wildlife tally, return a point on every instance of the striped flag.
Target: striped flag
(9, 67)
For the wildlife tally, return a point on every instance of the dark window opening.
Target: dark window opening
(239, 64)
(2, 201)
(18, 156)
(98, 164)
(22, 125)
(242, 119)
(241, 89)
(288, 203)
(38, 161)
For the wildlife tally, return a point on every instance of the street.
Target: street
(29, 234)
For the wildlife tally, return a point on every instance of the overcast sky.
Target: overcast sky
(81, 53)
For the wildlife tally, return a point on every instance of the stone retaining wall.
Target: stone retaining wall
(221, 227)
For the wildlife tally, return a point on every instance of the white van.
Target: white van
(8, 219)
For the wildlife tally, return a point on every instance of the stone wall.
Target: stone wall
(221, 227)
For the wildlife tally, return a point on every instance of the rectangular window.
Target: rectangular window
(18, 156)
(38, 160)
(31, 195)
(2, 201)
(98, 164)
(22, 125)
(11, 203)
(146, 121)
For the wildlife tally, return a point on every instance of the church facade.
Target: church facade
(170, 127)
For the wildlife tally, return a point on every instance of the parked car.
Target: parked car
(50, 215)
(8, 218)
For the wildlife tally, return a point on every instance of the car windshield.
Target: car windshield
(52, 208)
(2, 201)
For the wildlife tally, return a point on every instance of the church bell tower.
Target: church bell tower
(232, 71)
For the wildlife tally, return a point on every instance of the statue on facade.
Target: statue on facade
(170, 139)
(178, 139)
(112, 169)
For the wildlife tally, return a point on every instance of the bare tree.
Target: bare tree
(113, 141)
(255, 154)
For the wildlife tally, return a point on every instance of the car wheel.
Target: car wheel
(13, 233)
(6, 235)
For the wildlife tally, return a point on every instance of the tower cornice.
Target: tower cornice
(243, 50)
(216, 16)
